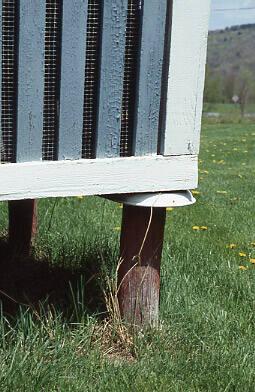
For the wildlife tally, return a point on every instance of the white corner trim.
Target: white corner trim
(97, 176)
(186, 76)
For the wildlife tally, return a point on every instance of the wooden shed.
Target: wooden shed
(100, 97)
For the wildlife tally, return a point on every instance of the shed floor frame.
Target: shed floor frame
(157, 173)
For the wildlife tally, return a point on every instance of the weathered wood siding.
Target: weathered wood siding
(74, 25)
(111, 78)
(186, 76)
(166, 105)
(149, 77)
(30, 80)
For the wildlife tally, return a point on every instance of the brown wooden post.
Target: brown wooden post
(22, 225)
(141, 244)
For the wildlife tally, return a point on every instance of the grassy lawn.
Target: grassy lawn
(229, 113)
(53, 333)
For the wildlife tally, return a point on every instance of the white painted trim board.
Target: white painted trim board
(97, 176)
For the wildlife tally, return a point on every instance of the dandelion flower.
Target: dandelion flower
(204, 171)
(196, 192)
(117, 228)
(252, 261)
(203, 228)
(231, 246)
(242, 268)
(242, 254)
(196, 228)
(169, 209)
(252, 243)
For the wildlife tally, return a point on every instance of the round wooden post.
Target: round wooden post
(22, 225)
(141, 244)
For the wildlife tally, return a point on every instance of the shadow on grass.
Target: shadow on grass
(33, 281)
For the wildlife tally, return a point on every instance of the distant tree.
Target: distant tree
(213, 92)
(229, 83)
(244, 89)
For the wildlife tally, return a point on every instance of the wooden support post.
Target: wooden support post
(22, 225)
(139, 272)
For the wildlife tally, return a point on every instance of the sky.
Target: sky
(231, 13)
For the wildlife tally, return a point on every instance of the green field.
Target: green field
(55, 332)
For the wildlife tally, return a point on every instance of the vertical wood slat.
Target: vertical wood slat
(111, 78)
(30, 80)
(150, 77)
(1, 142)
(72, 78)
(186, 76)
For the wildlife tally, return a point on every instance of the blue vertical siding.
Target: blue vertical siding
(111, 78)
(30, 80)
(72, 78)
(150, 77)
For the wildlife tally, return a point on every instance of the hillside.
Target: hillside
(232, 50)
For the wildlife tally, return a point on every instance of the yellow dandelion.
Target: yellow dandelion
(169, 209)
(117, 228)
(231, 246)
(242, 268)
(242, 254)
(203, 227)
(252, 261)
(204, 171)
(120, 206)
(196, 228)
(252, 243)
(196, 192)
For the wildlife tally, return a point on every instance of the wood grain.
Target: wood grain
(111, 78)
(149, 77)
(22, 225)
(30, 80)
(97, 177)
(72, 78)
(186, 76)
(141, 244)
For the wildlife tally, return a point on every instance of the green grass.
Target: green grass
(60, 342)
(228, 113)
